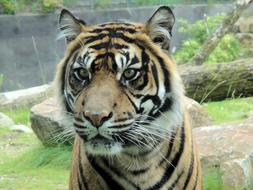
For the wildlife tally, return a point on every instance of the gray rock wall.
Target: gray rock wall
(29, 51)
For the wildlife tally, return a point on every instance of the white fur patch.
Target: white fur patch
(101, 148)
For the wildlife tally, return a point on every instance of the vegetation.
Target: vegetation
(46, 168)
(45, 6)
(20, 115)
(25, 164)
(212, 180)
(14, 6)
(228, 49)
(231, 110)
(166, 2)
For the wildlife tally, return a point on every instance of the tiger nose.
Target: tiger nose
(97, 118)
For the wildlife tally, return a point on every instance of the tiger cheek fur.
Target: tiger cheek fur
(126, 100)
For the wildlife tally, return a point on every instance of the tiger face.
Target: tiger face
(119, 84)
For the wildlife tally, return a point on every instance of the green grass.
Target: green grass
(26, 165)
(212, 180)
(20, 115)
(234, 110)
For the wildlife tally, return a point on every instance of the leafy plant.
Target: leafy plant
(70, 3)
(227, 50)
(102, 3)
(7, 6)
(50, 5)
(166, 2)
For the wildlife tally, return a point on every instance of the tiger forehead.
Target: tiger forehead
(111, 40)
(117, 26)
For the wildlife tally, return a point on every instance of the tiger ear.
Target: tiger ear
(159, 26)
(69, 25)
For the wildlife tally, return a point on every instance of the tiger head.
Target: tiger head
(119, 84)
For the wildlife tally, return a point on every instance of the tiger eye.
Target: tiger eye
(83, 73)
(130, 73)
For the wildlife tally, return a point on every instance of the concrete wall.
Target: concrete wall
(29, 51)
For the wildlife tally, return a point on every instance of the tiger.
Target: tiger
(121, 91)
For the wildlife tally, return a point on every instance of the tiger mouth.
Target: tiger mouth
(98, 140)
(102, 146)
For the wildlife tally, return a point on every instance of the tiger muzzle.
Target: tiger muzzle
(97, 118)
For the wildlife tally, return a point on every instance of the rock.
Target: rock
(246, 39)
(237, 173)
(245, 25)
(48, 123)
(21, 128)
(26, 97)
(5, 121)
(249, 119)
(229, 148)
(198, 116)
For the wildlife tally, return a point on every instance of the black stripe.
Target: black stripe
(80, 186)
(117, 23)
(165, 73)
(70, 97)
(155, 99)
(78, 119)
(78, 126)
(104, 56)
(155, 75)
(137, 110)
(123, 37)
(119, 126)
(145, 60)
(66, 63)
(112, 184)
(105, 45)
(164, 68)
(68, 109)
(101, 36)
(165, 107)
(171, 167)
(172, 139)
(134, 61)
(176, 181)
(139, 172)
(189, 171)
(196, 179)
(121, 119)
(112, 29)
(90, 39)
(119, 174)
(74, 56)
(144, 84)
(64, 73)
(84, 182)
(144, 56)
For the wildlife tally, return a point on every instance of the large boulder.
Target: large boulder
(25, 97)
(230, 149)
(52, 127)
(198, 116)
(245, 25)
(49, 124)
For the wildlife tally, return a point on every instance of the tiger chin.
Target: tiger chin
(121, 91)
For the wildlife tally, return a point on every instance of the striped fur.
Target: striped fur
(122, 70)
